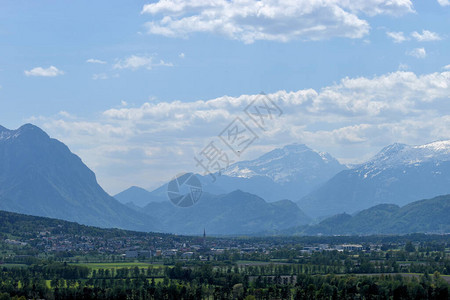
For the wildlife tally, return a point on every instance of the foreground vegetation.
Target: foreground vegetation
(43, 258)
(409, 272)
(62, 281)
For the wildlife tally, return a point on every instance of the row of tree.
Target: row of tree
(59, 281)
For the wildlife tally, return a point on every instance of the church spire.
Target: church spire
(204, 237)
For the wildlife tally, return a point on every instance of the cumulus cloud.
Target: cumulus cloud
(135, 62)
(397, 37)
(418, 53)
(426, 36)
(51, 71)
(447, 67)
(284, 20)
(95, 61)
(352, 119)
(444, 2)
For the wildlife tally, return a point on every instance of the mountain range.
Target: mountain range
(424, 216)
(283, 173)
(398, 174)
(41, 176)
(430, 215)
(237, 212)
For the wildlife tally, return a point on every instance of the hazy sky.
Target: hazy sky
(138, 88)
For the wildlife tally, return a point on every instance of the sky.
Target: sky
(139, 89)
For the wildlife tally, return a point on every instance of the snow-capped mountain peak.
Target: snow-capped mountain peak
(398, 174)
(396, 155)
(286, 164)
(439, 146)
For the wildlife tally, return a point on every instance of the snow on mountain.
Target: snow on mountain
(404, 155)
(290, 172)
(27, 129)
(286, 164)
(398, 174)
(5, 133)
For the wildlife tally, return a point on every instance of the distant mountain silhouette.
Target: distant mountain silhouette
(138, 196)
(40, 176)
(283, 173)
(428, 216)
(399, 174)
(235, 213)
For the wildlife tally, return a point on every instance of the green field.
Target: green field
(14, 265)
(262, 263)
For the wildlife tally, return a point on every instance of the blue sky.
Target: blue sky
(121, 82)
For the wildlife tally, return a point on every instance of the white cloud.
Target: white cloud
(283, 20)
(444, 2)
(398, 37)
(354, 118)
(418, 53)
(403, 67)
(181, 55)
(66, 114)
(426, 36)
(135, 62)
(104, 76)
(100, 76)
(51, 71)
(95, 61)
(447, 67)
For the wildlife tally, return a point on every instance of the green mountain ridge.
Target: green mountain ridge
(424, 216)
(27, 226)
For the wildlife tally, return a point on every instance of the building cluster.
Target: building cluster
(341, 247)
(146, 246)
